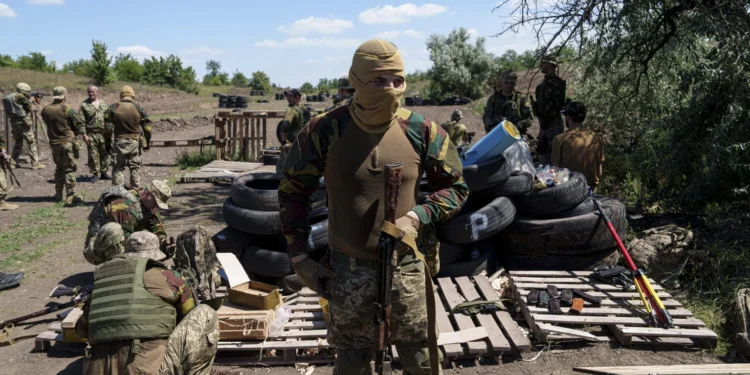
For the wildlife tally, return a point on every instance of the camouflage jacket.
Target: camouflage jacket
(94, 117)
(296, 116)
(339, 103)
(24, 102)
(134, 217)
(306, 162)
(456, 132)
(550, 99)
(515, 108)
(124, 128)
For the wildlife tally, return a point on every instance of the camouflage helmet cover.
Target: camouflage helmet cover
(509, 76)
(109, 242)
(143, 244)
(550, 59)
(23, 88)
(457, 115)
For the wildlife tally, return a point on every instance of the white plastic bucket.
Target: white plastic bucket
(493, 144)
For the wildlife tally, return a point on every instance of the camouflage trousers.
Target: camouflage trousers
(282, 157)
(742, 322)
(5, 186)
(353, 290)
(65, 168)
(192, 346)
(544, 143)
(22, 131)
(100, 150)
(128, 154)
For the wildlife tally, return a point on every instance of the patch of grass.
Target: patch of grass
(478, 109)
(21, 259)
(194, 159)
(9, 77)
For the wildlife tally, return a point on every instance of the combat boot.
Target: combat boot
(94, 178)
(73, 200)
(105, 176)
(15, 164)
(5, 206)
(58, 196)
(38, 166)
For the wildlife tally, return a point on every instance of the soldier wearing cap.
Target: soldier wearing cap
(63, 126)
(135, 210)
(550, 100)
(579, 149)
(508, 104)
(295, 118)
(346, 91)
(144, 318)
(456, 132)
(129, 119)
(21, 125)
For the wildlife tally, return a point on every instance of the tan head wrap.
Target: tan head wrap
(127, 92)
(374, 109)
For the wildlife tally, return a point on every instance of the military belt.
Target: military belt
(342, 258)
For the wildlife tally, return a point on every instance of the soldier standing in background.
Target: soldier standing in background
(508, 104)
(63, 126)
(128, 118)
(5, 186)
(346, 91)
(550, 100)
(98, 134)
(456, 132)
(295, 118)
(21, 124)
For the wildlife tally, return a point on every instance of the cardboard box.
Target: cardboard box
(256, 295)
(244, 324)
(68, 326)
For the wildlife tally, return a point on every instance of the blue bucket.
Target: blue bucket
(493, 144)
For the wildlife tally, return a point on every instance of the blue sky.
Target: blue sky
(292, 41)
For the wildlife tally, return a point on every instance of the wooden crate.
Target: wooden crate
(620, 316)
(53, 335)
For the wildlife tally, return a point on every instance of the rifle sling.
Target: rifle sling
(394, 231)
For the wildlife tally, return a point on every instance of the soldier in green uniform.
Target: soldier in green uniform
(5, 187)
(346, 91)
(456, 132)
(350, 147)
(98, 134)
(21, 125)
(144, 318)
(550, 100)
(128, 118)
(63, 126)
(295, 118)
(508, 104)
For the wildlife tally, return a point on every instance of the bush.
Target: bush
(459, 68)
(260, 81)
(6, 61)
(128, 68)
(169, 72)
(81, 67)
(99, 67)
(192, 159)
(36, 61)
(239, 79)
(307, 88)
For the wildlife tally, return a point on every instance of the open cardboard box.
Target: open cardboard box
(244, 292)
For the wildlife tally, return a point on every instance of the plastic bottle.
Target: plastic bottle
(283, 314)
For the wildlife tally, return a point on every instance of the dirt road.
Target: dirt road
(45, 241)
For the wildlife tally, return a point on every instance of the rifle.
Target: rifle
(80, 295)
(386, 248)
(5, 164)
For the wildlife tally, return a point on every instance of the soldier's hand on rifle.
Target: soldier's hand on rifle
(312, 273)
(409, 223)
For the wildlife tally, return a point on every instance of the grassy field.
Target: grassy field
(46, 81)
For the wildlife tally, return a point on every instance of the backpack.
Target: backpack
(12, 108)
(196, 253)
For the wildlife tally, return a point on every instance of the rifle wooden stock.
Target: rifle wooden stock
(386, 247)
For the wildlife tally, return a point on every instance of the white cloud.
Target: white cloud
(399, 14)
(313, 42)
(320, 25)
(6, 11)
(204, 50)
(139, 51)
(47, 2)
(473, 33)
(45, 52)
(394, 34)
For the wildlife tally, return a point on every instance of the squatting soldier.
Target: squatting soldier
(550, 100)
(5, 187)
(350, 147)
(128, 119)
(136, 209)
(456, 132)
(63, 126)
(508, 104)
(344, 95)
(143, 318)
(295, 118)
(21, 125)
(98, 134)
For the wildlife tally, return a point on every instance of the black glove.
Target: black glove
(312, 273)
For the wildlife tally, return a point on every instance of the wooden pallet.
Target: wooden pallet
(53, 335)
(620, 317)
(199, 142)
(221, 169)
(716, 368)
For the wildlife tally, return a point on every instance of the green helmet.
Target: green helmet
(344, 84)
(109, 242)
(23, 88)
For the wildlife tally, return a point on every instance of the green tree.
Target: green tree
(213, 68)
(168, 71)
(260, 81)
(529, 59)
(239, 79)
(99, 67)
(81, 67)
(6, 61)
(35, 61)
(307, 88)
(458, 67)
(128, 68)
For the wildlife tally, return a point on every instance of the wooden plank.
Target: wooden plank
(671, 332)
(448, 290)
(518, 339)
(560, 286)
(571, 319)
(495, 335)
(45, 339)
(444, 325)
(313, 324)
(568, 331)
(611, 295)
(561, 279)
(305, 308)
(311, 300)
(716, 368)
(252, 136)
(307, 315)
(275, 345)
(676, 313)
(268, 361)
(315, 333)
(264, 132)
(469, 335)
(551, 273)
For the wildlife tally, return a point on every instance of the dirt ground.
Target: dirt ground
(55, 258)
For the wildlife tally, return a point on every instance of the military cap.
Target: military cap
(143, 244)
(127, 91)
(58, 93)
(509, 76)
(549, 59)
(293, 92)
(23, 88)
(161, 191)
(457, 115)
(576, 110)
(344, 83)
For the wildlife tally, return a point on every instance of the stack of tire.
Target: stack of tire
(223, 101)
(241, 102)
(254, 234)
(505, 222)
(231, 101)
(280, 96)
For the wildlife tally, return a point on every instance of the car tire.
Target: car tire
(250, 221)
(473, 226)
(486, 261)
(452, 253)
(256, 191)
(230, 240)
(265, 262)
(487, 174)
(554, 199)
(516, 184)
